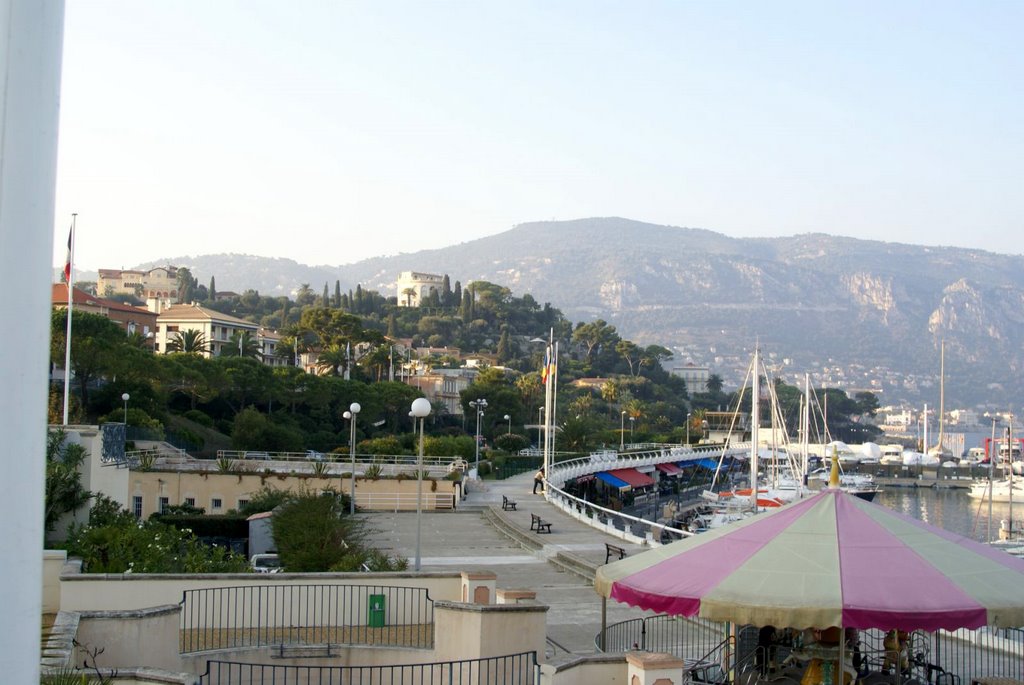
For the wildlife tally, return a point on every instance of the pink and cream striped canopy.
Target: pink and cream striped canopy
(829, 560)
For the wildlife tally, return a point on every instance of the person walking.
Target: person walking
(538, 480)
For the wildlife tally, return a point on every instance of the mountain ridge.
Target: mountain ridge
(812, 297)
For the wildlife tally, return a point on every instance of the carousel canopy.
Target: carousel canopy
(830, 560)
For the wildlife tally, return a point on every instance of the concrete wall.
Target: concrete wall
(610, 669)
(230, 488)
(53, 563)
(126, 635)
(472, 631)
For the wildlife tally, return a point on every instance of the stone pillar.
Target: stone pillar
(653, 668)
(478, 587)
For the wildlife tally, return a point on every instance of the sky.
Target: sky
(330, 132)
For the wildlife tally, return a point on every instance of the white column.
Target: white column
(31, 36)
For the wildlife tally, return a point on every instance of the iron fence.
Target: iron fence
(690, 639)
(263, 615)
(512, 669)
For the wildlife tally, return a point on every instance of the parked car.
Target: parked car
(313, 455)
(256, 455)
(265, 563)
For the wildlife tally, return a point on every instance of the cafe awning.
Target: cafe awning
(669, 469)
(633, 477)
(611, 480)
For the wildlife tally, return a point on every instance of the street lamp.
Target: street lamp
(479, 405)
(622, 431)
(420, 410)
(687, 428)
(509, 419)
(632, 419)
(125, 397)
(351, 414)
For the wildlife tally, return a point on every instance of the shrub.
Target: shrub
(196, 416)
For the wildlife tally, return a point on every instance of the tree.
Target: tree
(313, 533)
(189, 341)
(594, 336)
(409, 294)
(187, 284)
(332, 360)
(304, 295)
(714, 384)
(446, 291)
(64, 491)
(504, 346)
(336, 302)
(325, 298)
(96, 344)
(631, 353)
(211, 292)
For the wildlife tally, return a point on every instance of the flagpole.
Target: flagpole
(69, 276)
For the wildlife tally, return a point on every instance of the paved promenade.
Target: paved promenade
(483, 537)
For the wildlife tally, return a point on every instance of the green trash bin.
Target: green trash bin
(377, 611)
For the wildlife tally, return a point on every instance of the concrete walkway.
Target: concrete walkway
(480, 536)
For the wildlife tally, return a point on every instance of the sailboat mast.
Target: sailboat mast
(942, 395)
(807, 420)
(755, 419)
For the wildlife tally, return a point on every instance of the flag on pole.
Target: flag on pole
(67, 262)
(546, 369)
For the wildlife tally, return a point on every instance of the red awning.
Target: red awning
(633, 477)
(669, 469)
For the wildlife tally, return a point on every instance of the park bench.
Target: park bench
(610, 550)
(539, 525)
(508, 504)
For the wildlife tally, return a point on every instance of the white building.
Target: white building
(414, 286)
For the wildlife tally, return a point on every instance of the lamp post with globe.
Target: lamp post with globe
(479, 405)
(351, 414)
(420, 410)
(124, 398)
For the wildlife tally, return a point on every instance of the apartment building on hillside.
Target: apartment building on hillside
(216, 328)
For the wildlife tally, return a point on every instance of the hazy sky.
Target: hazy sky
(329, 132)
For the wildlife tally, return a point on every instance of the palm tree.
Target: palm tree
(332, 360)
(242, 345)
(190, 341)
(714, 384)
(408, 292)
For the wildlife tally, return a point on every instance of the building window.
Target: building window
(137, 506)
(215, 503)
(190, 501)
(163, 504)
(242, 503)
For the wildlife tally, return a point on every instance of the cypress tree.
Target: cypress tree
(446, 292)
(337, 294)
(391, 325)
(212, 292)
(325, 298)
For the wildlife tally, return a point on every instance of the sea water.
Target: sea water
(952, 510)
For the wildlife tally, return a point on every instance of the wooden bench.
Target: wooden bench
(539, 525)
(508, 504)
(610, 549)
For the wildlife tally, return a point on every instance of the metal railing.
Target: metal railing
(263, 615)
(942, 657)
(512, 669)
(632, 528)
(405, 501)
(687, 638)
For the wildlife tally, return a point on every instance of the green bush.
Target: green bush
(449, 446)
(387, 444)
(511, 442)
(196, 416)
